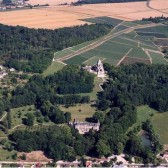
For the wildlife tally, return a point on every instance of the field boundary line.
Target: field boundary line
(103, 40)
(138, 41)
(124, 57)
(61, 62)
(149, 56)
(149, 32)
(122, 43)
(138, 58)
(89, 59)
(158, 52)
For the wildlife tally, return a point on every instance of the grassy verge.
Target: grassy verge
(54, 67)
(160, 124)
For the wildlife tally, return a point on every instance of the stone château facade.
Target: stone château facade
(84, 127)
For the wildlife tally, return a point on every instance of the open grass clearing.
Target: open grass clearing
(54, 67)
(143, 113)
(158, 120)
(18, 114)
(6, 155)
(160, 124)
(80, 112)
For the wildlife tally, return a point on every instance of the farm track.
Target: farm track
(103, 40)
(148, 4)
(123, 57)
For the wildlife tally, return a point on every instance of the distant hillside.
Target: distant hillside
(80, 2)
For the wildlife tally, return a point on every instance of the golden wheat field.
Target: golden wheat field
(65, 16)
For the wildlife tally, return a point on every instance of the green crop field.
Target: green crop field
(119, 28)
(106, 20)
(114, 49)
(129, 24)
(139, 53)
(157, 29)
(157, 58)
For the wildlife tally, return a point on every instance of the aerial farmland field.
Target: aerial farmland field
(127, 48)
(56, 16)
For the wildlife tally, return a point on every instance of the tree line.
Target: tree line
(80, 2)
(31, 50)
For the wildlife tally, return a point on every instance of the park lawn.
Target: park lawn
(6, 155)
(16, 120)
(158, 120)
(80, 111)
(143, 113)
(160, 124)
(54, 67)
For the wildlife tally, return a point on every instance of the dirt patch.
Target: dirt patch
(35, 156)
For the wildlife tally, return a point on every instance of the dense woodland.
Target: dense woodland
(31, 50)
(60, 88)
(127, 88)
(80, 2)
(161, 19)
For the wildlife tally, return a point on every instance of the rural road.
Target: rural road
(103, 40)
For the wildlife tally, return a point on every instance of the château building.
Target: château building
(84, 127)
